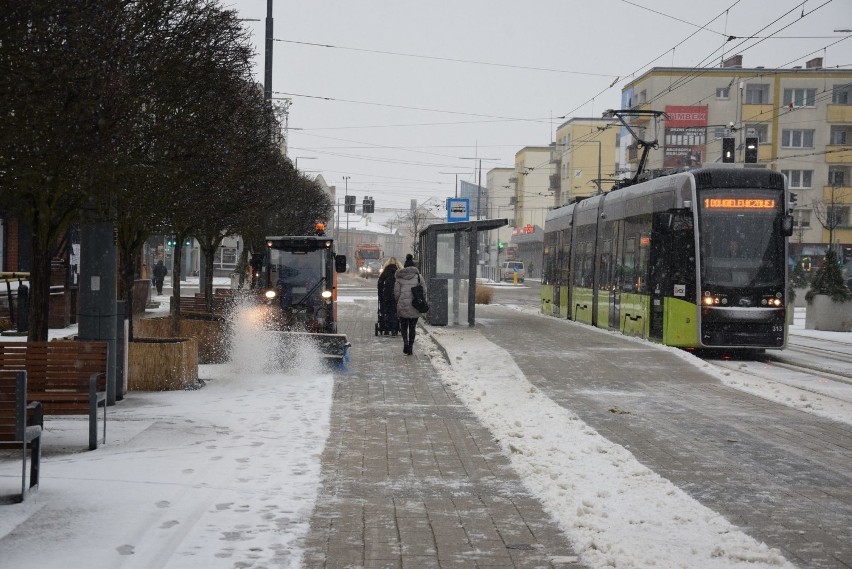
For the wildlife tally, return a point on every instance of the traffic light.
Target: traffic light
(729, 149)
(751, 143)
(172, 241)
(368, 205)
(500, 245)
(349, 204)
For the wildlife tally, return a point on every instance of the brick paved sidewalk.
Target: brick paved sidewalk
(411, 480)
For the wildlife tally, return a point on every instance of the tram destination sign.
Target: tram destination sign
(739, 203)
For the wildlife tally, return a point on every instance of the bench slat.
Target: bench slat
(59, 374)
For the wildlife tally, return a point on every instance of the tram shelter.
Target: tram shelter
(449, 256)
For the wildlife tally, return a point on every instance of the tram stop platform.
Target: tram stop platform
(422, 466)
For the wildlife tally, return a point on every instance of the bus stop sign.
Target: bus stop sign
(458, 209)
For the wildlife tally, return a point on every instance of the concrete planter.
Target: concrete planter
(825, 314)
(800, 297)
(162, 364)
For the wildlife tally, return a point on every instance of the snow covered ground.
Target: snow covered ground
(226, 476)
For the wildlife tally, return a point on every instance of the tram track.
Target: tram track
(796, 371)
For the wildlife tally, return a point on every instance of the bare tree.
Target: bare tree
(413, 222)
(830, 211)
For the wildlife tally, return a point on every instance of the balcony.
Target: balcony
(834, 154)
(840, 195)
(758, 113)
(839, 113)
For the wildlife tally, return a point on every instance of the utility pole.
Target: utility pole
(267, 76)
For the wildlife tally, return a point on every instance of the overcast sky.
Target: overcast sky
(410, 89)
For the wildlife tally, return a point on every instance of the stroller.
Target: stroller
(387, 322)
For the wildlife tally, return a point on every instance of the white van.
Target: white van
(509, 268)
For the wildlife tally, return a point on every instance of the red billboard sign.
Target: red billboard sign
(686, 136)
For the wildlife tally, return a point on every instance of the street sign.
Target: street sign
(458, 209)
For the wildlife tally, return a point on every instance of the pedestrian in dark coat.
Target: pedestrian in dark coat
(409, 260)
(389, 322)
(406, 279)
(160, 272)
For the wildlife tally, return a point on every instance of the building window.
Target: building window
(797, 138)
(723, 92)
(802, 218)
(799, 97)
(840, 134)
(801, 179)
(838, 216)
(757, 94)
(842, 94)
(643, 96)
(226, 258)
(761, 131)
(838, 175)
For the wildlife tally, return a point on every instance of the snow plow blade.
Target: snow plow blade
(333, 348)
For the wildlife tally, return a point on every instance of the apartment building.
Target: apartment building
(585, 157)
(501, 204)
(802, 118)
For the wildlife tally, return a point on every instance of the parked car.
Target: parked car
(509, 268)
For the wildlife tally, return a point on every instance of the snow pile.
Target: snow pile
(224, 476)
(616, 512)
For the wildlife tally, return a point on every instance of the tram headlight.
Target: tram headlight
(711, 299)
(270, 294)
(326, 294)
(772, 301)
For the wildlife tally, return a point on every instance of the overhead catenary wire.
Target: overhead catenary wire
(426, 163)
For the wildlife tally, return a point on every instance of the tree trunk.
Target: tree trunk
(209, 257)
(177, 258)
(39, 306)
(242, 266)
(128, 261)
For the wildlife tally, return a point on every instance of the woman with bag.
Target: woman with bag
(406, 279)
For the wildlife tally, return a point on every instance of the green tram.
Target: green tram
(696, 259)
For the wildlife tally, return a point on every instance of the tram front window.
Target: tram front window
(741, 246)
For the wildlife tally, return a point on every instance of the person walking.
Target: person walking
(407, 278)
(160, 272)
(388, 319)
(409, 260)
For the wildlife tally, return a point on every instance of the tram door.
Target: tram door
(659, 274)
(562, 275)
(671, 262)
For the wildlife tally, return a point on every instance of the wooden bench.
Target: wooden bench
(21, 425)
(67, 377)
(197, 303)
